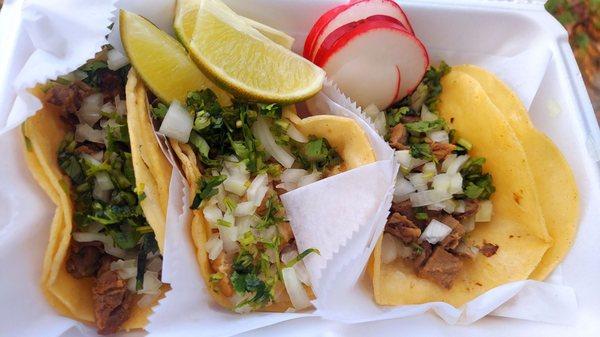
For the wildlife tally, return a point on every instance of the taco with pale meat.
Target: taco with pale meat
(478, 202)
(93, 151)
(238, 156)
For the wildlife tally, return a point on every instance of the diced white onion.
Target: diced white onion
(109, 246)
(98, 155)
(439, 136)
(126, 268)
(419, 181)
(427, 115)
(108, 107)
(245, 223)
(429, 170)
(178, 123)
(213, 247)
(299, 266)
(147, 300)
(406, 161)
(261, 130)
(371, 111)
(428, 197)
(309, 179)
(103, 181)
(151, 283)
(132, 284)
(229, 234)
(244, 208)
(155, 264)
(449, 160)
(100, 194)
(402, 189)
(435, 232)
(85, 132)
(90, 160)
(235, 184)
(484, 214)
(258, 188)
(469, 223)
(441, 182)
(449, 206)
(292, 175)
(212, 213)
(116, 60)
(438, 206)
(295, 289)
(456, 181)
(89, 113)
(389, 250)
(120, 106)
(377, 118)
(296, 135)
(460, 206)
(456, 164)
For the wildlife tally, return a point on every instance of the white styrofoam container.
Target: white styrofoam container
(572, 126)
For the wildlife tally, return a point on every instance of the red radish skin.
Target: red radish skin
(318, 28)
(374, 61)
(355, 11)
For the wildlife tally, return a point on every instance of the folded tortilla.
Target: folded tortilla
(517, 224)
(43, 135)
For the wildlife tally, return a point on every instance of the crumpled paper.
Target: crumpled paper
(80, 27)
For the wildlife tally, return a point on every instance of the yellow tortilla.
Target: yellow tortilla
(554, 179)
(43, 134)
(343, 134)
(517, 225)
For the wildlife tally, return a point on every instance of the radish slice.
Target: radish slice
(352, 12)
(370, 50)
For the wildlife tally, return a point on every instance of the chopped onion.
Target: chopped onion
(100, 194)
(438, 206)
(406, 161)
(86, 132)
(456, 181)
(177, 123)
(377, 118)
(132, 285)
(296, 135)
(299, 266)
(108, 107)
(419, 181)
(371, 111)
(460, 206)
(235, 184)
(295, 289)
(429, 170)
(155, 264)
(260, 129)
(435, 232)
(103, 181)
(94, 227)
(147, 300)
(456, 164)
(89, 113)
(245, 223)
(389, 250)
(428, 197)
(245, 208)
(116, 60)
(404, 251)
(484, 214)
(309, 179)
(98, 155)
(427, 115)
(469, 223)
(90, 160)
(229, 234)
(126, 268)
(151, 283)
(213, 247)
(212, 213)
(440, 136)
(120, 106)
(441, 182)
(292, 175)
(446, 163)
(258, 189)
(106, 240)
(403, 189)
(449, 206)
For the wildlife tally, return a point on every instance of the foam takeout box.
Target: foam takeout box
(513, 36)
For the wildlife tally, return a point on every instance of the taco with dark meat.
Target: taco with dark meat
(479, 200)
(93, 150)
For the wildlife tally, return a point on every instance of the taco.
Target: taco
(97, 158)
(466, 215)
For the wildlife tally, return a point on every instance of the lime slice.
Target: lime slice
(162, 62)
(244, 61)
(185, 21)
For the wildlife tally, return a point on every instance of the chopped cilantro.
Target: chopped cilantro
(425, 126)
(207, 187)
(301, 256)
(159, 111)
(316, 154)
(421, 151)
(476, 184)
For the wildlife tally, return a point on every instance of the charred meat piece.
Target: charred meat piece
(110, 83)
(422, 254)
(404, 208)
(441, 150)
(89, 148)
(441, 268)
(112, 300)
(398, 137)
(409, 119)
(488, 249)
(84, 258)
(67, 97)
(401, 227)
(224, 265)
(458, 231)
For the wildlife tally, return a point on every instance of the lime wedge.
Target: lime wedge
(162, 62)
(244, 61)
(185, 21)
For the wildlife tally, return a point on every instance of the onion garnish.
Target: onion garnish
(424, 198)
(435, 232)
(439, 136)
(261, 130)
(389, 250)
(296, 135)
(295, 289)
(116, 60)
(484, 214)
(178, 123)
(427, 115)
(109, 246)
(213, 247)
(403, 189)
(85, 132)
(89, 113)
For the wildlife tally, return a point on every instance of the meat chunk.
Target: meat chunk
(401, 227)
(404, 208)
(410, 119)
(441, 268)
(285, 232)
(84, 258)
(471, 208)
(398, 137)
(67, 97)
(224, 265)
(441, 150)
(488, 249)
(422, 254)
(458, 231)
(110, 83)
(112, 300)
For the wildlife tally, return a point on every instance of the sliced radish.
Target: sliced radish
(374, 60)
(354, 11)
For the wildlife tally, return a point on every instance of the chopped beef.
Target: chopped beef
(67, 97)
(471, 208)
(89, 148)
(462, 250)
(441, 268)
(458, 231)
(84, 258)
(441, 150)
(422, 254)
(401, 227)
(409, 119)
(398, 137)
(404, 208)
(110, 83)
(488, 249)
(224, 265)
(112, 300)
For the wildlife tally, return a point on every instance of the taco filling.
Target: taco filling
(441, 193)
(249, 154)
(111, 242)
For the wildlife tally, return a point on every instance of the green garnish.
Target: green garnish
(425, 126)
(207, 187)
(421, 216)
(421, 150)
(465, 144)
(317, 154)
(301, 256)
(476, 184)
(159, 111)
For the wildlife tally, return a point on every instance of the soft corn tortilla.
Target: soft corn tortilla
(554, 179)
(517, 225)
(342, 133)
(43, 134)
